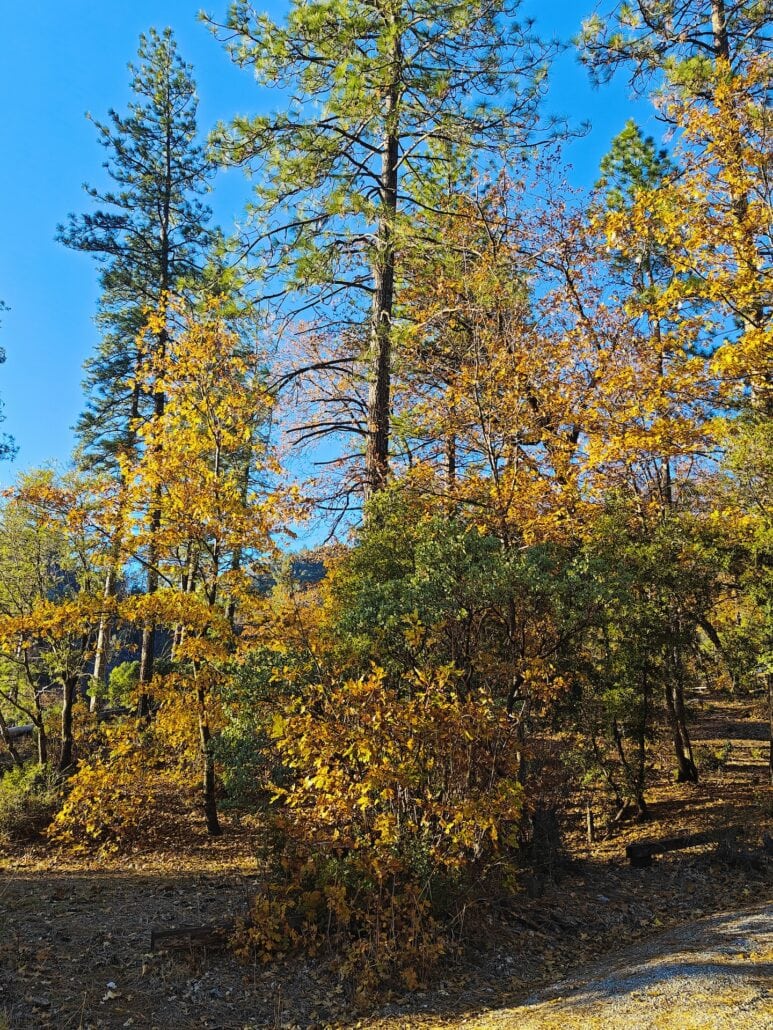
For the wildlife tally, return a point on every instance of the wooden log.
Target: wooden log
(187, 936)
(640, 854)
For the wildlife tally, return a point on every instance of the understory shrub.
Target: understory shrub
(115, 795)
(397, 805)
(28, 800)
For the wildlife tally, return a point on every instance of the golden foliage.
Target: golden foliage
(384, 797)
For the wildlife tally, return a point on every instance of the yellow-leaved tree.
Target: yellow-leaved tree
(206, 489)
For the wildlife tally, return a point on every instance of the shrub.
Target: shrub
(712, 760)
(398, 802)
(114, 797)
(28, 799)
(120, 686)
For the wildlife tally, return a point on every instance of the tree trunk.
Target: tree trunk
(686, 769)
(633, 777)
(102, 650)
(147, 658)
(450, 449)
(719, 30)
(8, 741)
(641, 764)
(68, 698)
(42, 743)
(379, 360)
(208, 783)
(148, 651)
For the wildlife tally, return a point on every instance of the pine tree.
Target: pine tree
(149, 234)
(674, 41)
(382, 93)
(709, 56)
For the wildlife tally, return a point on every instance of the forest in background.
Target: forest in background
(536, 422)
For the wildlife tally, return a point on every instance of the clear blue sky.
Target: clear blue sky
(59, 60)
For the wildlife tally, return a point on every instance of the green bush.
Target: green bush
(713, 760)
(120, 686)
(28, 801)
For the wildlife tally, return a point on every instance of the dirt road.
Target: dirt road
(713, 974)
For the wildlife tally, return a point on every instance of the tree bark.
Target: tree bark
(148, 650)
(8, 741)
(68, 698)
(102, 650)
(686, 768)
(379, 360)
(719, 30)
(208, 780)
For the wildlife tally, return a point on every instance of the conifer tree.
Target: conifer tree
(701, 55)
(149, 233)
(382, 93)
(676, 41)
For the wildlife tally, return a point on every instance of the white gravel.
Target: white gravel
(714, 974)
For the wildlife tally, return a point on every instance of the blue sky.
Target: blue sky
(60, 60)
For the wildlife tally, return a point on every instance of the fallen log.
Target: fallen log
(641, 853)
(187, 936)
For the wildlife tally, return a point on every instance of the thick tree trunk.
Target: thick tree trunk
(379, 360)
(719, 30)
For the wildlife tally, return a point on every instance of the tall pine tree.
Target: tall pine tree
(149, 233)
(381, 93)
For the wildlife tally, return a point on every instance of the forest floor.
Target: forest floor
(75, 932)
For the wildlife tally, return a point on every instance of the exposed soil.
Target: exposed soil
(714, 974)
(74, 933)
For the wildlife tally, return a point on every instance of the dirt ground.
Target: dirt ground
(713, 974)
(75, 934)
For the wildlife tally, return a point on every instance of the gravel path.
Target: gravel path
(713, 974)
